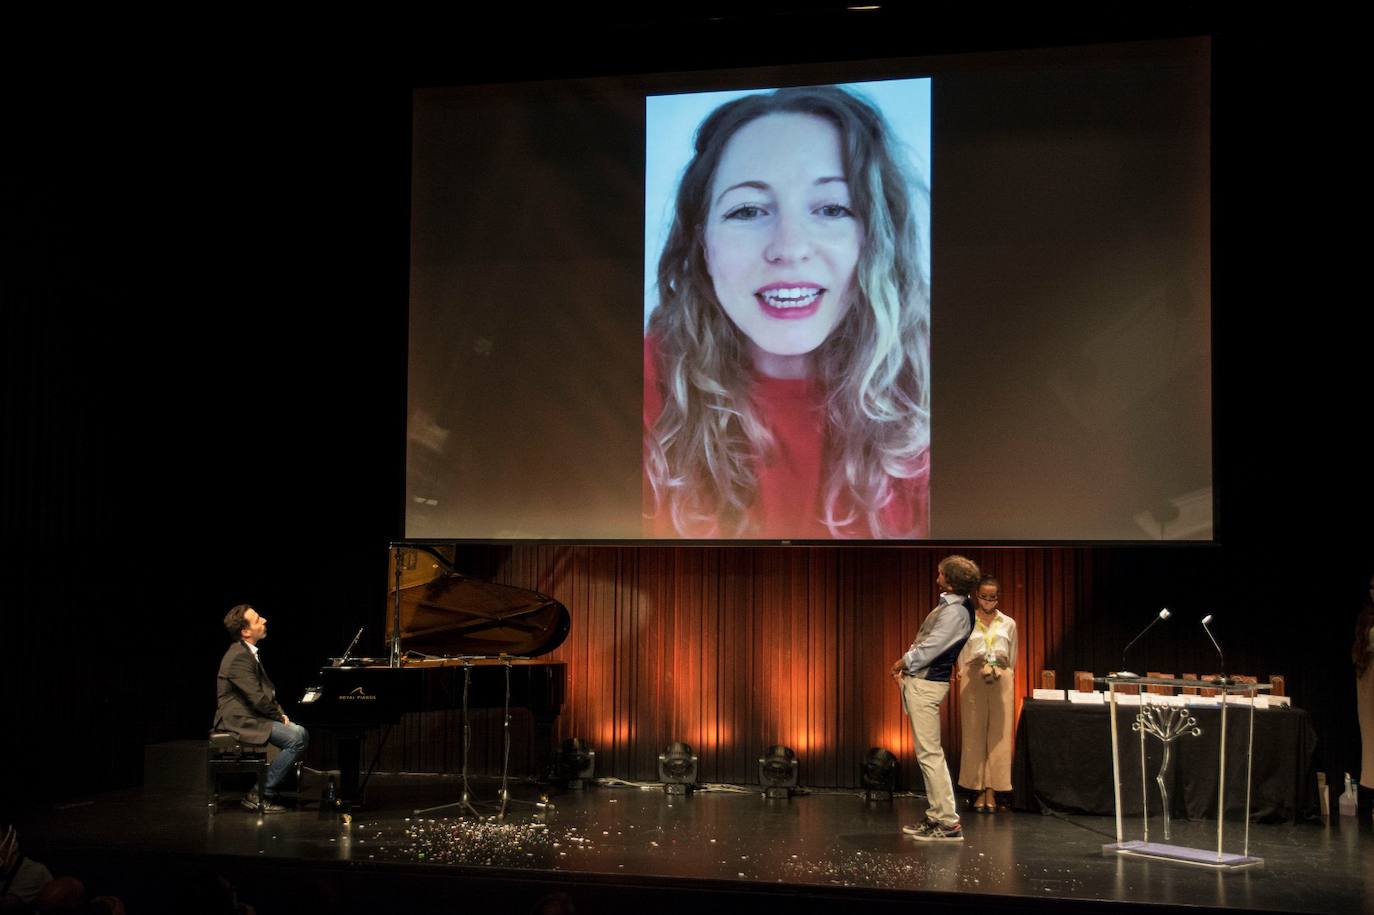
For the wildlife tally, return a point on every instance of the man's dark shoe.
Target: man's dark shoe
(937, 833)
(919, 829)
(250, 801)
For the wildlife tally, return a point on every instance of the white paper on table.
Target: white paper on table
(1080, 698)
(1203, 700)
(1280, 701)
(1127, 698)
(1056, 694)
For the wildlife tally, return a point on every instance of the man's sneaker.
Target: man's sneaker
(251, 802)
(934, 832)
(919, 829)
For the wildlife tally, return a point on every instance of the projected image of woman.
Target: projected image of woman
(787, 361)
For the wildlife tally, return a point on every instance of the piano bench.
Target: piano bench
(230, 756)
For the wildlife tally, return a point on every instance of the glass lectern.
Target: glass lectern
(1159, 814)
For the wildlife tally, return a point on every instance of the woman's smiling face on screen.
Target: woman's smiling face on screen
(782, 239)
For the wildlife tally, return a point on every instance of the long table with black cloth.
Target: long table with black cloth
(1063, 763)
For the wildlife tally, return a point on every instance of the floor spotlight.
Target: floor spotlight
(677, 768)
(778, 771)
(878, 775)
(575, 764)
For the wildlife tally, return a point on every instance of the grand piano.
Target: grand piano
(455, 642)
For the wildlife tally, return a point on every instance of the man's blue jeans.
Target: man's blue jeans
(292, 740)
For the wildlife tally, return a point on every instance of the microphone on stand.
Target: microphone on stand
(1126, 674)
(1220, 656)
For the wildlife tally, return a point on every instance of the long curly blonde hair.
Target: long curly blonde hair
(874, 369)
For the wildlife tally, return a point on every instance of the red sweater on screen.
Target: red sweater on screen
(790, 503)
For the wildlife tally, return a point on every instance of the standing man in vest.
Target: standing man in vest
(923, 674)
(248, 702)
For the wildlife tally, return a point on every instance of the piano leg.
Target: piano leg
(541, 750)
(350, 763)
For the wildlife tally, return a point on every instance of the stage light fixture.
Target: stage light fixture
(677, 768)
(878, 775)
(575, 764)
(778, 770)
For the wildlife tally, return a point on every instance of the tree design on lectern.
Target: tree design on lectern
(1168, 723)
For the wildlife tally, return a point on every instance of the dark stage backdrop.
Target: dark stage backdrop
(202, 322)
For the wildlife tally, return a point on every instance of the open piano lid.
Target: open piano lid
(447, 614)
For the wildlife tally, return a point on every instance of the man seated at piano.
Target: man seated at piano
(248, 703)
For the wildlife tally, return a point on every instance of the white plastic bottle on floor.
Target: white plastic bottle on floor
(1348, 800)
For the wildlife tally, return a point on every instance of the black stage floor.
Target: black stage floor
(627, 849)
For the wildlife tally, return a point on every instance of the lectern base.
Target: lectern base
(1181, 854)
